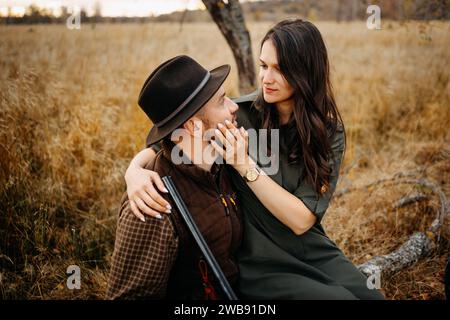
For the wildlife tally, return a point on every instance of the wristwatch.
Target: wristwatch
(252, 174)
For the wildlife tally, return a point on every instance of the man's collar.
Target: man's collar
(199, 175)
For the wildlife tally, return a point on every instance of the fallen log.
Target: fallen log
(419, 244)
(416, 247)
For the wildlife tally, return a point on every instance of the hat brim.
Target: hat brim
(218, 76)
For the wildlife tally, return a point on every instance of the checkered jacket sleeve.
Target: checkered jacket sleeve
(143, 257)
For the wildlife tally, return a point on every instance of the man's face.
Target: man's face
(200, 127)
(218, 109)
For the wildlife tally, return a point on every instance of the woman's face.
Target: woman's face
(275, 87)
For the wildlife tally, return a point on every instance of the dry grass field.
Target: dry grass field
(70, 124)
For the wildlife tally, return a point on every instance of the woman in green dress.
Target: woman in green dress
(285, 253)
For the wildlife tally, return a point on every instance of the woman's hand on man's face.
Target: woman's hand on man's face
(143, 196)
(235, 145)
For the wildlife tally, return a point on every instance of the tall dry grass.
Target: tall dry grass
(69, 125)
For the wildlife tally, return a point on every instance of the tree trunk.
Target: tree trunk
(230, 20)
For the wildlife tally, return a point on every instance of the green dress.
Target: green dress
(275, 263)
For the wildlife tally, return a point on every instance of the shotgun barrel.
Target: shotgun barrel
(187, 217)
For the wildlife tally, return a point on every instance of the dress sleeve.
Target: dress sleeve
(247, 114)
(318, 204)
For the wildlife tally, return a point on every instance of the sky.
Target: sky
(108, 7)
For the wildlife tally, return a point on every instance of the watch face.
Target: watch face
(252, 175)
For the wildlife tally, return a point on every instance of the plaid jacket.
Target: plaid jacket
(159, 258)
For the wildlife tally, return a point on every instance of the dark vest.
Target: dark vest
(213, 205)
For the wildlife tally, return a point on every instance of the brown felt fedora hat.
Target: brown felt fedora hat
(175, 91)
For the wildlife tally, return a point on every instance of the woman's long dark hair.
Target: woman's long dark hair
(303, 61)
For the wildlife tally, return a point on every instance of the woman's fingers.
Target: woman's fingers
(148, 198)
(136, 211)
(156, 179)
(226, 132)
(221, 137)
(230, 136)
(244, 134)
(158, 202)
(218, 148)
(159, 184)
(144, 208)
(233, 130)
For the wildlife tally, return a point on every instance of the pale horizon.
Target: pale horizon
(109, 8)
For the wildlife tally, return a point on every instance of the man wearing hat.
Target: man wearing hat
(158, 258)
